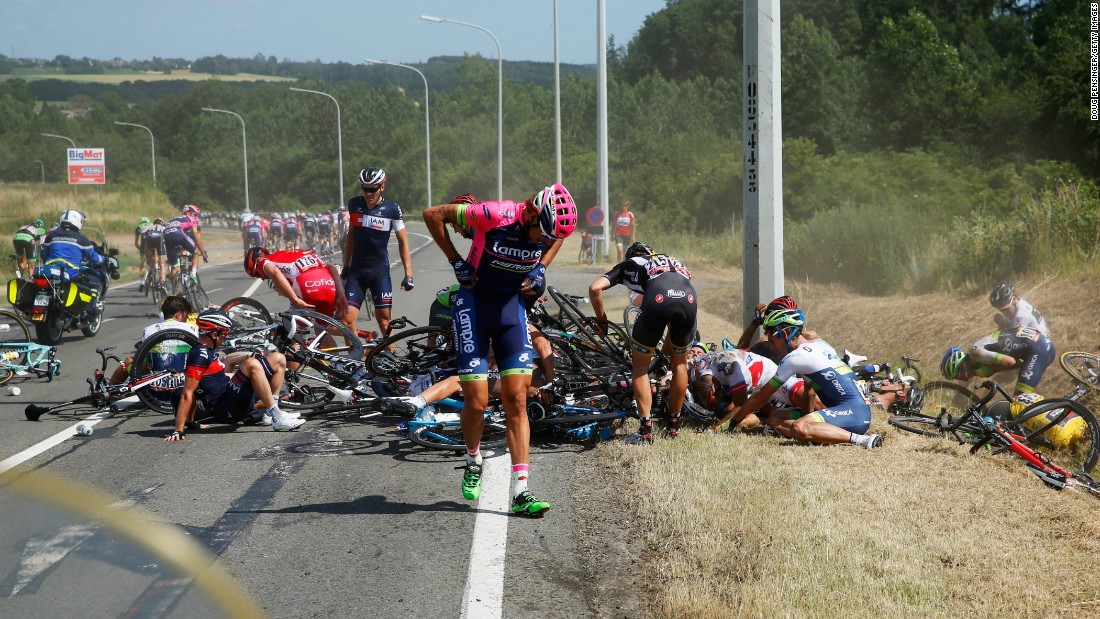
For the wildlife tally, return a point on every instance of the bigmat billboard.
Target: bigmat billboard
(87, 166)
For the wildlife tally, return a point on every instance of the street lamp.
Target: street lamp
(43, 166)
(339, 136)
(152, 146)
(500, 96)
(244, 140)
(60, 137)
(427, 123)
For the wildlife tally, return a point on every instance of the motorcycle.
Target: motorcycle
(54, 303)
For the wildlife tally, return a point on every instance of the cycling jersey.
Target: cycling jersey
(227, 400)
(1032, 348)
(371, 228)
(835, 383)
(29, 232)
(308, 276)
(153, 239)
(179, 233)
(735, 370)
(254, 230)
(1026, 316)
(669, 300)
(24, 242)
(276, 225)
(623, 221)
(502, 253)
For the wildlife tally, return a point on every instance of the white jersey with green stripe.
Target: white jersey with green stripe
(817, 362)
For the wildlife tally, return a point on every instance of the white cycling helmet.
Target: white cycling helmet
(72, 218)
(372, 176)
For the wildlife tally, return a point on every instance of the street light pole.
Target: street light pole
(500, 96)
(60, 137)
(152, 146)
(43, 166)
(339, 136)
(427, 123)
(244, 139)
(557, 97)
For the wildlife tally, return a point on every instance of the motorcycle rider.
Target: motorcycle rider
(67, 247)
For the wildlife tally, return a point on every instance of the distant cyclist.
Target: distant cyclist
(366, 258)
(669, 301)
(184, 233)
(1012, 311)
(152, 251)
(26, 241)
(513, 244)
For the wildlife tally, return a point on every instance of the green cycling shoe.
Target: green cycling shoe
(471, 481)
(528, 504)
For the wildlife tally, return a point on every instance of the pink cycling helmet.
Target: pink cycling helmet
(557, 211)
(190, 209)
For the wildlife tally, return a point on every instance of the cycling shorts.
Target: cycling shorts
(256, 237)
(853, 416)
(670, 301)
(376, 279)
(291, 233)
(1038, 359)
(322, 297)
(487, 319)
(25, 248)
(175, 241)
(235, 403)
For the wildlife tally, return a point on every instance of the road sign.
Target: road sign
(87, 166)
(594, 216)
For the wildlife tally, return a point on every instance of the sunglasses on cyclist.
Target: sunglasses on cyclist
(370, 189)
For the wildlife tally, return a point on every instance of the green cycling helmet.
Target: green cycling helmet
(38, 223)
(144, 220)
(784, 319)
(953, 361)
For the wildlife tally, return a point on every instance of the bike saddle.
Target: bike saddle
(852, 359)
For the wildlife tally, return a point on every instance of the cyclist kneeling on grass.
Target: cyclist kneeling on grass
(834, 382)
(228, 399)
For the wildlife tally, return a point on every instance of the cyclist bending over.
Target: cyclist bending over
(1020, 348)
(513, 244)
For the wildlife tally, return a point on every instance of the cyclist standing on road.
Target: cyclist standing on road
(1012, 311)
(366, 260)
(624, 228)
(669, 300)
(513, 244)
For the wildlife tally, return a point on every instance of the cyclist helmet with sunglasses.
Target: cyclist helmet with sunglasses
(1012, 311)
(366, 268)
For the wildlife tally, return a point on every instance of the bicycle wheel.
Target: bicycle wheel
(164, 350)
(12, 330)
(1082, 366)
(325, 333)
(304, 388)
(413, 351)
(941, 396)
(630, 316)
(198, 297)
(246, 312)
(1064, 431)
(447, 435)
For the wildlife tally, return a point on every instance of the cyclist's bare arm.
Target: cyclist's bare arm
(436, 219)
(283, 287)
(551, 252)
(595, 294)
(198, 241)
(403, 248)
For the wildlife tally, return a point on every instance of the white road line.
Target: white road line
(484, 596)
(214, 290)
(253, 287)
(52, 441)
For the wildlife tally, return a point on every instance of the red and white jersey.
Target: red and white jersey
(735, 369)
(308, 275)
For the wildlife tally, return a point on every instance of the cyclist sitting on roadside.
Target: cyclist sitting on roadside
(26, 243)
(513, 245)
(228, 399)
(1012, 311)
(183, 233)
(669, 300)
(722, 381)
(828, 376)
(1020, 348)
(300, 276)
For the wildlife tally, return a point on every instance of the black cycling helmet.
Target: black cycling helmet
(637, 249)
(1002, 295)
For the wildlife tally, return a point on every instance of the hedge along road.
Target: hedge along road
(344, 517)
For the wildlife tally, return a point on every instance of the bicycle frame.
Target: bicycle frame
(100, 394)
(40, 359)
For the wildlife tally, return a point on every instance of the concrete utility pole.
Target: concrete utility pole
(763, 157)
(601, 123)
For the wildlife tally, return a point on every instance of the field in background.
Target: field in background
(134, 76)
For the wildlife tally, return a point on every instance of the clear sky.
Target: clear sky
(326, 30)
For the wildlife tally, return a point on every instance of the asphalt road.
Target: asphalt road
(342, 518)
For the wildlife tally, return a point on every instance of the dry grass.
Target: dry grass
(750, 526)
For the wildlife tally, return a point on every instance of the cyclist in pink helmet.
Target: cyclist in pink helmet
(513, 243)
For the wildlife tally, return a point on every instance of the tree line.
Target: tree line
(921, 112)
